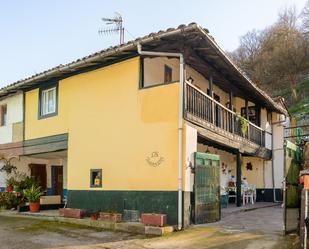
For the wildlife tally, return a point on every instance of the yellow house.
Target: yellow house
(120, 129)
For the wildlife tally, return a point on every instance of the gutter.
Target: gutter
(180, 122)
(95, 58)
(272, 158)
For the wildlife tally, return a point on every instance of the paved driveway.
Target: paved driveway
(256, 229)
(21, 233)
(268, 220)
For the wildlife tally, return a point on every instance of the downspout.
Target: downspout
(180, 121)
(272, 157)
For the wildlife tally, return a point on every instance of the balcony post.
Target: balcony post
(185, 99)
(212, 102)
(238, 179)
(232, 109)
(247, 117)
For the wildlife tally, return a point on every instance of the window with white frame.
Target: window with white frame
(48, 101)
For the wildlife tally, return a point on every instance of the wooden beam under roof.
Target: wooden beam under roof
(203, 66)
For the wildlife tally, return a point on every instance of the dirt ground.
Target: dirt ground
(24, 233)
(257, 229)
(200, 238)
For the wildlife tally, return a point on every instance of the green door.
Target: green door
(206, 188)
(292, 166)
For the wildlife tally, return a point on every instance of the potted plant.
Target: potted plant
(33, 195)
(244, 124)
(94, 216)
(8, 167)
(10, 182)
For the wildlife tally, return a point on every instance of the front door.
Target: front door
(206, 188)
(57, 180)
(38, 171)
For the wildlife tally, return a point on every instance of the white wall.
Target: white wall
(278, 154)
(265, 124)
(154, 70)
(14, 115)
(191, 147)
(154, 74)
(23, 167)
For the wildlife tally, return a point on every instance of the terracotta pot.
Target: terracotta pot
(94, 216)
(72, 213)
(34, 207)
(111, 217)
(157, 220)
(9, 189)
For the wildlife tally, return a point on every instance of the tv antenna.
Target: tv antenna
(118, 28)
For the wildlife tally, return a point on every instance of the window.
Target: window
(48, 101)
(158, 71)
(167, 74)
(3, 114)
(96, 178)
(254, 114)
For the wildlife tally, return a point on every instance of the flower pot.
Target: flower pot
(111, 217)
(157, 220)
(34, 207)
(9, 189)
(94, 216)
(72, 213)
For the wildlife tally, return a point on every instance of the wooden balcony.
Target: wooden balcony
(204, 111)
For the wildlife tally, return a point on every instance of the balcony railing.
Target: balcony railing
(203, 107)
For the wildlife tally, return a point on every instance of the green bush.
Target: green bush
(25, 182)
(33, 194)
(8, 200)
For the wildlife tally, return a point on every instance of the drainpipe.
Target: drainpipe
(180, 121)
(273, 155)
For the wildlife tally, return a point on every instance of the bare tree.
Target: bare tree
(305, 18)
(277, 56)
(285, 50)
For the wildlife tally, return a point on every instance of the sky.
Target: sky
(38, 35)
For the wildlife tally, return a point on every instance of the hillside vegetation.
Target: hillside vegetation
(277, 59)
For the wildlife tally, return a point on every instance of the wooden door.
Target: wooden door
(57, 180)
(39, 172)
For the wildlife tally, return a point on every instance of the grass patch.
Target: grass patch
(300, 108)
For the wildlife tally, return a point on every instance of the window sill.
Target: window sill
(160, 84)
(47, 115)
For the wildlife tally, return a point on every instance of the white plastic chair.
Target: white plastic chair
(248, 196)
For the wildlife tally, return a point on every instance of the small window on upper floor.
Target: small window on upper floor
(48, 101)
(167, 74)
(3, 115)
(158, 71)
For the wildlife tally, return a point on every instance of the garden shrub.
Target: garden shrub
(8, 200)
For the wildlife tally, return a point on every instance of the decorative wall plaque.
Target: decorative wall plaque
(155, 159)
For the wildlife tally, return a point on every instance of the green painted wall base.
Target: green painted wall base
(267, 194)
(165, 202)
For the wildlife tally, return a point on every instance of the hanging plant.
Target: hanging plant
(244, 125)
(8, 167)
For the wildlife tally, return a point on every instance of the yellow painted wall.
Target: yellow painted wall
(114, 126)
(36, 128)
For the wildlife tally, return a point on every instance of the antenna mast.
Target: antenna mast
(118, 28)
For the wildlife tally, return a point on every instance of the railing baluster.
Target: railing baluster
(204, 107)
